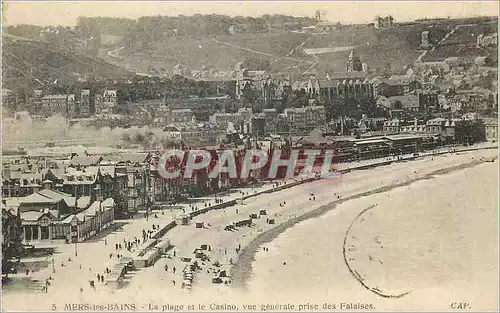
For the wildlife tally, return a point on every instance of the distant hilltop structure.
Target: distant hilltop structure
(425, 44)
(487, 41)
(383, 21)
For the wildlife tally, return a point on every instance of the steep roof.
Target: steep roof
(85, 160)
(108, 170)
(49, 196)
(83, 202)
(407, 101)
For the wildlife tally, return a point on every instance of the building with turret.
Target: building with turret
(353, 63)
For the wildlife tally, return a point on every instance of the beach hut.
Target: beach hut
(270, 221)
(263, 212)
(182, 219)
(200, 225)
(253, 215)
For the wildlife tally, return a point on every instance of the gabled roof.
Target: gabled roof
(36, 215)
(347, 76)
(108, 170)
(80, 178)
(49, 196)
(93, 209)
(83, 202)
(89, 160)
(31, 215)
(37, 198)
(58, 196)
(327, 83)
(108, 203)
(135, 157)
(394, 81)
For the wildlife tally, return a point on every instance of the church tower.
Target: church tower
(353, 63)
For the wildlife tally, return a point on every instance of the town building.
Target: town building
(138, 178)
(63, 104)
(12, 235)
(340, 88)
(194, 134)
(305, 119)
(84, 107)
(487, 40)
(491, 129)
(392, 126)
(107, 102)
(386, 21)
(50, 215)
(180, 116)
(353, 63)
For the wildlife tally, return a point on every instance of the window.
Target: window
(44, 232)
(58, 231)
(27, 233)
(34, 231)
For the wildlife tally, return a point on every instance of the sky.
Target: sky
(65, 13)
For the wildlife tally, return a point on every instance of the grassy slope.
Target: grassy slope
(463, 43)
(396, 45)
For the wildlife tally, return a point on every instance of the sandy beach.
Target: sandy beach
(306, 275)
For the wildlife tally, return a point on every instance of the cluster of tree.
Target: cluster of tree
(152, 28)
(95, 26)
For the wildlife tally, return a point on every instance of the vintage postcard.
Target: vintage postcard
(251, 156)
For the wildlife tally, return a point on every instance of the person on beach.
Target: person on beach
(173, 269)
(173, 281)
(166, 268)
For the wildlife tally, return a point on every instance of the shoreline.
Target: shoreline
(187, 239)
(241, 270)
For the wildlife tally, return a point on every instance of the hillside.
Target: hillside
(397, 45)
(463, 43)
(36, 64)
(292, 52)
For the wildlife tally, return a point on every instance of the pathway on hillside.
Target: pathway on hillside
(316, 62)
(260, 52)
(114, 53)
(420, 57)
